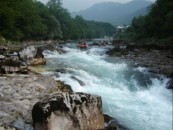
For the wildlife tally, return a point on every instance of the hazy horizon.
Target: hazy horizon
(77, 5)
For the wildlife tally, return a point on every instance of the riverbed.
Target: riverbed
(138, 99)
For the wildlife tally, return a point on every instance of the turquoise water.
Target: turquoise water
(137, 99)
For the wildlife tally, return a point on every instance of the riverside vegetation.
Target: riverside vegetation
(21, 88)
(30, 19)
(153, 28)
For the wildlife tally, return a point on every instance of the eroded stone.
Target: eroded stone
(68, 111)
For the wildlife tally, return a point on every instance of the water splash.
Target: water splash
(135, 97)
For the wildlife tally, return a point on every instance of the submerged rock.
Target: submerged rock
(61, 70)
(95, 44)
(113, 124)
(78, 80)
(64, 70)
(64, 87)
(170, 84)
(51, 47)
(68, 111)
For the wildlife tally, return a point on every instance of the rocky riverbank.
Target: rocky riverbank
(20, 87)
(54, 102)
(19, 93)
(156, 59)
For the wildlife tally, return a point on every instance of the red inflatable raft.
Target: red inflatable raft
(82, 45)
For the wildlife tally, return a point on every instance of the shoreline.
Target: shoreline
(156, 61)
(20, 90)
(135, 55)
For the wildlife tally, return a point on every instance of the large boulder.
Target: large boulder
(68, 111)
(32, 56)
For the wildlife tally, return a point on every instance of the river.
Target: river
(138, 99)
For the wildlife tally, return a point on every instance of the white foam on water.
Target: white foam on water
(142, 108)
(50, 54)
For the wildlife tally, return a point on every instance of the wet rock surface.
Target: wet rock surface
(100, 43)
(16, 59)
(68, 111)
(64, 87)
(78, 80)
(156, 59)
(51, 47)
(113, 124)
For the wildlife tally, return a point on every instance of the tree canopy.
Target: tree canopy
(157, 24)
(30, 19)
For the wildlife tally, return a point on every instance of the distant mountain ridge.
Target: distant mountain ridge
(115, 13)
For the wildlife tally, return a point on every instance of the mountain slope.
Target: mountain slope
(128, 18)
(115, 13)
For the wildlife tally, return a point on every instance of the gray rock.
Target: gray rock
(3, 49)
(2, 57)
(26, 54)
(63, 87)
(12, 65)
(21, 125)
(113, 124)
(32, 56)
(51, 47)
(18, 94)
(78, 80)
(68, 111)
(6, 128)
(156, 59)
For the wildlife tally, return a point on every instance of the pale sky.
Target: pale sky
(76, 5)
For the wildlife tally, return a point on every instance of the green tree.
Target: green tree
(30, 19)
(55, 31)
(20, 20)
(155, 25)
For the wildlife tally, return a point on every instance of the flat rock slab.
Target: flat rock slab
(18, 94)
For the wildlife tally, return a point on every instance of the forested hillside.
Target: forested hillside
(30, 19)
(115, 13)
(156, 25)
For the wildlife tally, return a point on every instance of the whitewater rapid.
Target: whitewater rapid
(138, 99)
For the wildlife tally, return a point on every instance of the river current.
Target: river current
(138, 99)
